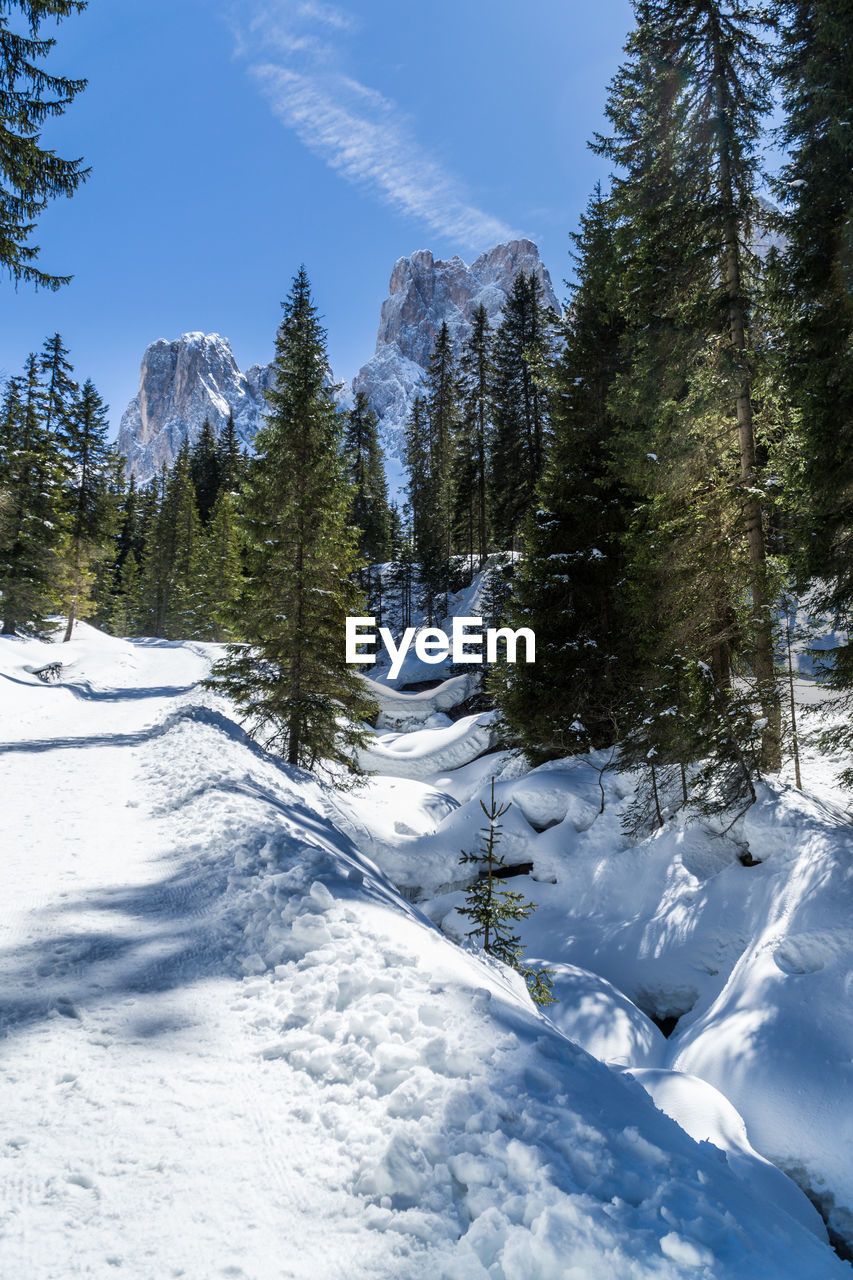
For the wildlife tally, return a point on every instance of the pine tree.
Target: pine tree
(205, 469)
(427, 542)
(31, 477)
(815, 67)
(366, 475)
(291, 679)
(231, 458)
(126, 609)
(686, 110)
(152, 558)
(61, 389)
(442, 413)
(92, 514)
(569, 586)
(220, 571)
(472, 521)
(30, 175)
(180, 529)
(494, 908)
(520, 406)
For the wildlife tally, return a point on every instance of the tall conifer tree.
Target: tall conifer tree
(570, 584)
(686, 109)
(31, 175)
(291, 679)
(815, 66)
(472, 521)
(31, 478)
(520, 412)
(91, 510)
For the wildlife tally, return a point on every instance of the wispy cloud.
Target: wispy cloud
(358, 132)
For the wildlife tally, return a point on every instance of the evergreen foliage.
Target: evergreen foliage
(369, 511)
(220, 572)
(521, 356)
(31, 498)
(815, 66)
(298, 694)
(31, 175)
(471, 521)
(493, 909)
(205, 469)
(89, 500)
(686, 110)
(570, 584)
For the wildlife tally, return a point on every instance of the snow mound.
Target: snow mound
(404, 711)
(423, 752)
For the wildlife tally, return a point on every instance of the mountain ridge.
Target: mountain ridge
(185, 380)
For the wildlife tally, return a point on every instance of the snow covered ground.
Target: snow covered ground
(236, 1043)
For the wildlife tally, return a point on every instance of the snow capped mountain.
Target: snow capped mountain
(196, 377)
(424, 292)
(180, 384)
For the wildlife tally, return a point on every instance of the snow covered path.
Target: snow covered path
(131, 1068)
(231, 1048)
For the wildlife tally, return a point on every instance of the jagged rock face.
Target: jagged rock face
(180, 384)
(425, 292)
(196, 377)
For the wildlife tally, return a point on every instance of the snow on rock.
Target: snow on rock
(180, 384)
(427, 751)
(425, 291)
(406, 710)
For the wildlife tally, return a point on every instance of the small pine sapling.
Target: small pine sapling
(492, 908)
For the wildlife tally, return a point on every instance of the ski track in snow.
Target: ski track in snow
(231, 1048)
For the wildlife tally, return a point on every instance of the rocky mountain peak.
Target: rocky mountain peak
(194, 377)
(425, 292)
(181, 383)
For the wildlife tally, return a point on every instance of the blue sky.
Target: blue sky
(231, 140)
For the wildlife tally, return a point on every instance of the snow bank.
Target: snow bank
(404, 711)
(467, 1130)
(707, 1116)
(247, 1054)
(427, 751)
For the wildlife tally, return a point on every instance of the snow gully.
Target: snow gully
(433, 645)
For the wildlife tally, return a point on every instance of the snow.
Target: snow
(234, 1045)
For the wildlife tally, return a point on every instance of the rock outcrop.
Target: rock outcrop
(180, 384)
(424, 292)
(196, 377)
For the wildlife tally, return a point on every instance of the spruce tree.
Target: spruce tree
(815, 67)
(442, 413)
(472, 522)
(180, 529)
(366, 475)
(686, 109)
(521, 356)
(205, 469)
(31, 478)
(427, 540)
(91, 512)
(31, 175)
(570, 584)
(291, 679)
(220, 572)
(125, 613)
(231, 458)
(494, 909)
(60, 387)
